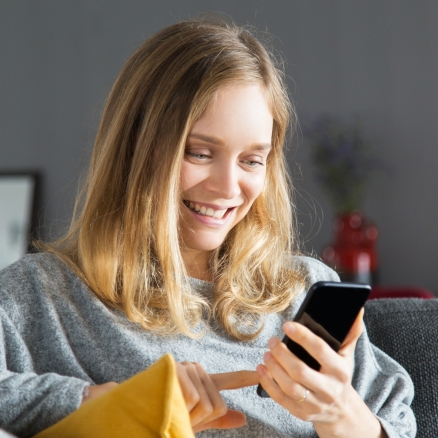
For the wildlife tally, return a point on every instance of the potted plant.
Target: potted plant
(343, 164)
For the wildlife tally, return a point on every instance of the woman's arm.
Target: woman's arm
(205, 405)
(30, 402)
(325, 397)
(166, 399)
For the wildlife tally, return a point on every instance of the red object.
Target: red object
(400, 292)
(353, 254)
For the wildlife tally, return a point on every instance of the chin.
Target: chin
(207, 244)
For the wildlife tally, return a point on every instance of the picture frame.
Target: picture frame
(18, 214)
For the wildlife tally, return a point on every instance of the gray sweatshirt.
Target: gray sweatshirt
(56, 338)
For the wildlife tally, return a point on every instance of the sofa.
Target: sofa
(407, 330)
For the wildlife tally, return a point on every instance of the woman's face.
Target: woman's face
(224, 165)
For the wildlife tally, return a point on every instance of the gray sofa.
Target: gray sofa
(407, 330)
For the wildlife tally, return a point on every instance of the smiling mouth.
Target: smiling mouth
(206, 211)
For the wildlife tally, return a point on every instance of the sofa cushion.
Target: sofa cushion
(407, 330)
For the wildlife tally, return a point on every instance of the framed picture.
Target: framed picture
(17, 214)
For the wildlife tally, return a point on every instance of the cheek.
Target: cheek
(254, 186)
(189, 177)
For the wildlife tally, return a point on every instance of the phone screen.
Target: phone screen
(329, 311)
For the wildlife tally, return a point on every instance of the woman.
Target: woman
(182, 242)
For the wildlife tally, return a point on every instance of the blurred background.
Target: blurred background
(375, 58)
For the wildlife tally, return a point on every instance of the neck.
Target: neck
(196, 263)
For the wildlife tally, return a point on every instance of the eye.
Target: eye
(254, 161)
(195, 155)
(251, 163)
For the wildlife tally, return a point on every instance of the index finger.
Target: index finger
(234, 379)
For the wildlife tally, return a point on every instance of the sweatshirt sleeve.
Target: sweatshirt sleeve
(386, 388)
(126, 410)
(30, 402)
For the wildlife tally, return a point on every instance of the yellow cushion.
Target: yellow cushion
(150, 404)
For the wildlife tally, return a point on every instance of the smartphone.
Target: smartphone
(329, 310)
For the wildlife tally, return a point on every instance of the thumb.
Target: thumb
(231, 420)
(356, 330)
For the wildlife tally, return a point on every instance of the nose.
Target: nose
(224, 180)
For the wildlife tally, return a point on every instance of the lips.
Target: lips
(209, 214)
(207, 210)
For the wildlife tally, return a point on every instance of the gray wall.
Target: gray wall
(375, 57)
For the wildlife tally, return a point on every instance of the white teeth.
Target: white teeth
(217, 214)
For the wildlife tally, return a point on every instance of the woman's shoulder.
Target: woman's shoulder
(36, 279)
(31, 266)
(312, 269)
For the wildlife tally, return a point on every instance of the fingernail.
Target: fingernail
(289, 327)
(260, 370)
(267, 356)
(273, 342)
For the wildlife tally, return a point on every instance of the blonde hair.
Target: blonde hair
(123, 240)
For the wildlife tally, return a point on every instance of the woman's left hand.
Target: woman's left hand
(325, 397)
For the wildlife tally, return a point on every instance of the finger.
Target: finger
(288, 385)
(234, 380)
(356, 330)
(217, 406)
(314, 345)
(295, 368)
(274, 391)
(204, 408)
(188, 389)
(231, 420)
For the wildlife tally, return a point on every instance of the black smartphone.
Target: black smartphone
(329, 310)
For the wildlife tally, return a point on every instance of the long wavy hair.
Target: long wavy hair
(123, 240)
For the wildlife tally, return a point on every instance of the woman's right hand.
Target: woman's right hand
(206, 406)
(200, 390)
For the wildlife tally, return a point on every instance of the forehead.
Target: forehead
(238, 111)
(235, 88)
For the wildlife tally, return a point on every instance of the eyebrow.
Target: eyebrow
(217, 141)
